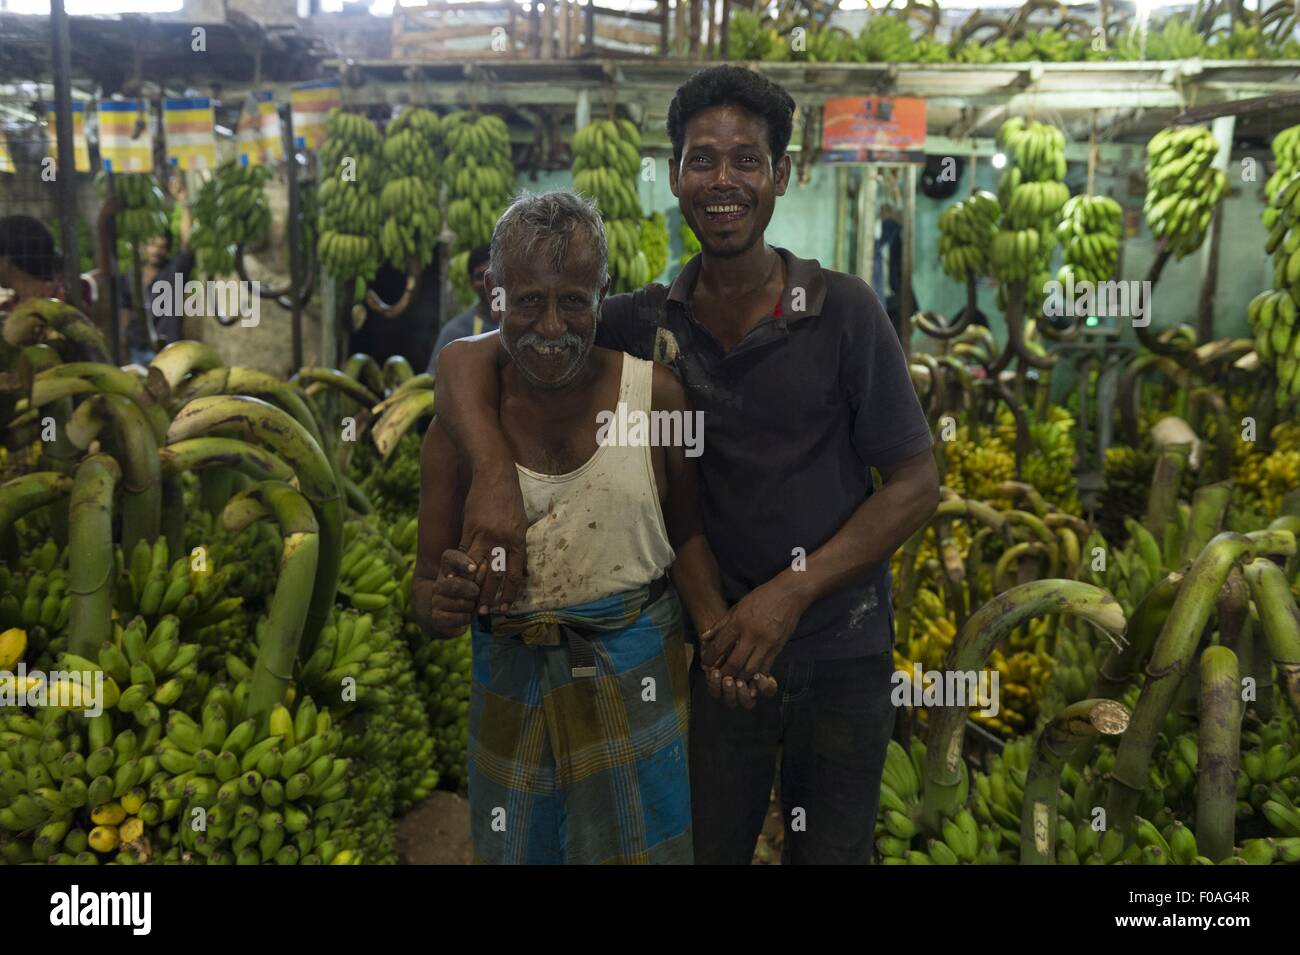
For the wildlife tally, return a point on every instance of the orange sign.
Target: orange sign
(874, 129)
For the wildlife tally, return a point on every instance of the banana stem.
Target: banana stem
(196, 454)
(1170, 661)
(337, 380)
(26, 493)
(356, 497)
(1077, 723)
(273, 669)
(967, 656)
(136, 452)
(90, 555)
(1209, 504)
(1164, 489)
(1280, 620)
(397, 371)
(80, 378)
(261, 423)
(364, 370)
(179, 360)
(1217, 753)
(215, 489)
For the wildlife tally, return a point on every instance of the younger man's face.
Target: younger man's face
(725, 181)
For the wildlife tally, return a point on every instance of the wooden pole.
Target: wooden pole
(841, 216)
(866, 224)
(296, 270)
(909, 231)
(695, 29)
(67, 161)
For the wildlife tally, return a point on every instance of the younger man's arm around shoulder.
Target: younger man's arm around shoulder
(445, 584)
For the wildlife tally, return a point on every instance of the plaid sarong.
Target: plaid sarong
(585, 770)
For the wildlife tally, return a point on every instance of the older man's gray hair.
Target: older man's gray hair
(544, 225)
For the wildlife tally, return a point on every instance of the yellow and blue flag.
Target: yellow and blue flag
(188, 127)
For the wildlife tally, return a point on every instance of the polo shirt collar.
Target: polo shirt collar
(800, 274)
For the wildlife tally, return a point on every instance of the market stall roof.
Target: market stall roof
(109, 50)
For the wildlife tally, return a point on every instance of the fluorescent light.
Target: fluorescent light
(999, 160)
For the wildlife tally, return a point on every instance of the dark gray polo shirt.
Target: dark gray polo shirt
(794, 417)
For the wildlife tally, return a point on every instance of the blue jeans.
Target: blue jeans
(831, 722)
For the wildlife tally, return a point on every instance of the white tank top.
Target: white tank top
(598, 530)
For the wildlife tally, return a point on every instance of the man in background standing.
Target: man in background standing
(476, 319)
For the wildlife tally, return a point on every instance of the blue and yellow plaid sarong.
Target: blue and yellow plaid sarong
(585, 770)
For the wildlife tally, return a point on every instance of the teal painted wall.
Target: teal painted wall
(804, 222)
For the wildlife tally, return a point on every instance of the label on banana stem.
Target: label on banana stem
(954, 750)
(1041, 832)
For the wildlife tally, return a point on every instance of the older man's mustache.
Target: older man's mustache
(567, 342)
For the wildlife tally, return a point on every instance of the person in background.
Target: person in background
(476, 319)
(159, 262)
(31, 265)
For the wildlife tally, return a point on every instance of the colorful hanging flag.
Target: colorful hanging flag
(125, 140)
(188, 128)
(311, 102)
(80, 151)
(6, 160)
(258, 134)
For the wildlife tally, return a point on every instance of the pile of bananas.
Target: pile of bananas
(977, 464)
(1049, 466)
(367, 578)
(966, 230)
(409, 199)
(1128, 473)
(152, 587)
(444, 670)
(748, 38)
(1286, 154)
(350, 211)
(1264, 479)
(607, 168)
(1049, 46)
(1183, 187)
(143, 212)
(230, 211)
(480, 176)
(34, 600)
(1022, 675)
(1089, 233)
(1031, 193)
(654, 243)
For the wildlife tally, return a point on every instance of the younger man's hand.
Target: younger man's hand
(455, 593)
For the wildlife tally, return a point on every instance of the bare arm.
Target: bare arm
(469, 395)
(759, 626)
(695, 570)
(443, 602)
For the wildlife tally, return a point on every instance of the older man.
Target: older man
(578, 708)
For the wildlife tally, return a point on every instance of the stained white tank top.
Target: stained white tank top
(598, 530)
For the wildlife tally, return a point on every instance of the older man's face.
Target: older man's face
(550, 320)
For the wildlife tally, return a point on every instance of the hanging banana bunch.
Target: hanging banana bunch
(349, 199)
(966, 230)
(409, 199)
(143, 214)
(1183, 187)
(1089, 233)
(606, 163)
(230, 211)
(480, 183)
(1032, 193)
(1272, 314)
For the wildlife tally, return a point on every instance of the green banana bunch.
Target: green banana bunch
(34, 598)
(748, 39)
(887, 39)
(1089, 233)
(409, 199)
(143, 212)
(607, 168)
(1272, 314)
(1177, 39)
(444, 670)
(690, 242)
(229, 211)
(654, 243)
(372, 572)
(1183, 187)
(1031, 192)
(967, 229)
(349, 195)
(480, 176)
(148, 585)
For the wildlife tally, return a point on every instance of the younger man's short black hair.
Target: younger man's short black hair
(477, 256)
(732, 86)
